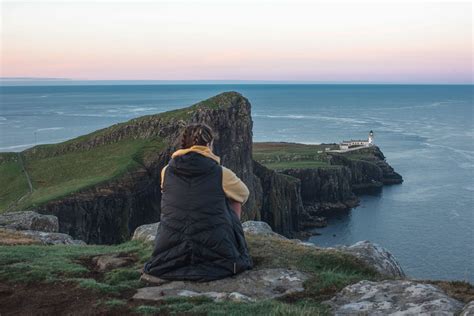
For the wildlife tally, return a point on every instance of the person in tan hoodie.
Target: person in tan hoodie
(234, 188)
(200, 237)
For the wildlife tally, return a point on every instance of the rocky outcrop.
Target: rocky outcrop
(109, 212)
(29, 220)
(371, 254)
(468, 309)
(251, 285)
(112, 261)
(393, 297)
(375, 256)
(29, 227)
(369, 172)
(20, 237)
(146, 232)
(281, 204)
(323, 189)
(260, 228)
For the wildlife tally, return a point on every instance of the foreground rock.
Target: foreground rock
(29, 220)
(250, 285)
(377, 257)
(372, 254)
(146, 232)
(468, 309)
(260, 228)
(393, 297)
(21, 237)
(112, 261)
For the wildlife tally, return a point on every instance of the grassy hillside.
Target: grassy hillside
(279, 156)
(57, 170)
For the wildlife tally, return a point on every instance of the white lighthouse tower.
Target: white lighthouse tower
(371, 138)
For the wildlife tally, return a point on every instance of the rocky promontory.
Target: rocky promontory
(103, 185)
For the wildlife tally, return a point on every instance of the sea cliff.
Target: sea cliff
(103, 185)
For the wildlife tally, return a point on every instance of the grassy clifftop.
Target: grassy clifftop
(56, 170)
(26, 268)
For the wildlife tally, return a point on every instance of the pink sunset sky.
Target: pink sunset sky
(217, 40)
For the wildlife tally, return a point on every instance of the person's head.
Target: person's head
(197, 134)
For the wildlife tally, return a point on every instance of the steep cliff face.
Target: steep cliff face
(324, 189)
(282, 206)
(369, 170)
(110, 211)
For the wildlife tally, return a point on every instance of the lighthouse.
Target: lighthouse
(371, 138)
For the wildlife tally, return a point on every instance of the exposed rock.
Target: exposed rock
(44, 238)
(146, 232)
(111, 261)
(372, 254)
(375, 256)
(282, 205)
(246, 286)
(29, 220)
(468, 310)
(260, 228)
(324, 189)
(395, 297)
(110, 212)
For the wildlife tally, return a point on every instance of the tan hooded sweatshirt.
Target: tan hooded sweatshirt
(233, 187)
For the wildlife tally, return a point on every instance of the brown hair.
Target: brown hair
(196, 134)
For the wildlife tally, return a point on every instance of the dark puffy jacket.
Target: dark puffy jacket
(200, 236)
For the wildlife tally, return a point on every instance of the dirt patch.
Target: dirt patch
(49, 299)
(10, 237)
(459, 290)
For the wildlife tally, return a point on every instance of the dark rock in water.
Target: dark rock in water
(247, 286)
(29, 220)
(393, 297)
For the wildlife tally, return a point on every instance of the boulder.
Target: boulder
(468, 309)
(146, 232)
(247, 286)
(36, 237)
(392, 297)
(111, 261)
(372, 254)
(29, 220)
(375, 256)
(260, 228)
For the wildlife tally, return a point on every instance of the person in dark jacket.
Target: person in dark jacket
(200, 236)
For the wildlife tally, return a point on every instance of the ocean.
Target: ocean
(425, 131)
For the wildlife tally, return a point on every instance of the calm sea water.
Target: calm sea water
(426, 132)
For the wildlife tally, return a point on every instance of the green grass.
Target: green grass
(281, 156)
(13, 183)
(36, 263)
(59, 175)
(57, 170)
(301, 164)
(329, 271)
